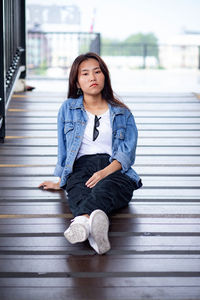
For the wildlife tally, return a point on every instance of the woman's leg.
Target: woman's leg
(111, 193)
(77, 191)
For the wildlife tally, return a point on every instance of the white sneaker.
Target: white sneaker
(98, 237)
(78, 231)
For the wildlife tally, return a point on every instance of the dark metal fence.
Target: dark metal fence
(12, 56)
(49, 51)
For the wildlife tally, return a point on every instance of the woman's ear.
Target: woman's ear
(78, 86)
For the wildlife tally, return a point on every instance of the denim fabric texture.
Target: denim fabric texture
(72, 120)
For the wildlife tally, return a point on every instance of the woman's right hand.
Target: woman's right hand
(50, 185)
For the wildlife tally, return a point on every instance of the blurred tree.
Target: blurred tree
(135, 45)
(142, 38)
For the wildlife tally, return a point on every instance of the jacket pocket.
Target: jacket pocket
(120, 134)
(68, 127)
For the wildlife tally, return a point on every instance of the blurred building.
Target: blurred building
(181, 51)
(44, 48)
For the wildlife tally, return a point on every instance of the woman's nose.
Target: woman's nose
(92, 77)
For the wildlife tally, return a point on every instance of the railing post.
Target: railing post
(95, 45)
(23, 36)
(144, 55)
(99, 43)
(2, 73)
(199, 58)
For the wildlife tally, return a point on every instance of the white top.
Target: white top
(103, 143)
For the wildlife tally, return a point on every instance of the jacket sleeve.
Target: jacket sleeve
(126, 150)
(61, 156)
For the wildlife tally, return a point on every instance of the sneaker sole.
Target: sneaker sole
(76, 233)
(99, 225)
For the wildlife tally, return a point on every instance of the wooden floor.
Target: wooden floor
(155, 242)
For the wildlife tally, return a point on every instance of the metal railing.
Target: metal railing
(152, 55)
(12, 47)
(51, 54)
(49, 51)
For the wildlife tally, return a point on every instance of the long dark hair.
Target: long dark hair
(107, 92)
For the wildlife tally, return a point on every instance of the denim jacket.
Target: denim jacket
(72, 120)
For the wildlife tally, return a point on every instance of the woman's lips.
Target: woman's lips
(93, 85)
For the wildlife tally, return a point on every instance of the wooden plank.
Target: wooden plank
(30, 193)
(166, 120)
(116, 219)
(168, 170)
(148, 181)
(101, 282)
(37, 113)
(31, 120)
(145, 160)
(92, 293)
(167, 126)
(149, 151)
(183, 193)
(107, 264)
(142, 142)
(185, 134)
(33, 142)
(141, 151)
(153, 106)
(173, 142)
(31, 127)
(118, 250)
(143, 171)
(165, 106)
(139, 228)
(142, 134)
(141, 127)
(28, 151)
(31, 160)
(165, 160)
(49, 94)
(132, 210)
(152, 194)
(27, 171)
(139, 120)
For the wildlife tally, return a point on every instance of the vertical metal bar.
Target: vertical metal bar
(99, 43)
(199, 58)
(144, 55)
(22, 29)
(2, 73)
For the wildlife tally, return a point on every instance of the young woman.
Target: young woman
(97, 139)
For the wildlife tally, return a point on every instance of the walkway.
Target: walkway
(155, 242)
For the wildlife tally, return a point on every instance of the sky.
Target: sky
(118, 19)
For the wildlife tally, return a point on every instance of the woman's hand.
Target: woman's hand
(96, 177)
(50, 185)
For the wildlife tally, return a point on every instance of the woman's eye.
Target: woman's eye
(85, 74)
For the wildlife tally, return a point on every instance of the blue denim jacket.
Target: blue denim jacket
(72, 120)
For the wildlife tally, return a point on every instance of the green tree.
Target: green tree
(135, 45)
(142, 38)
(141, 44)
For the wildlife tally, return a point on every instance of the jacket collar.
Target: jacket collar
(116, 110)
(78, 103)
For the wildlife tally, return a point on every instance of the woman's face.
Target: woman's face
(90, 77)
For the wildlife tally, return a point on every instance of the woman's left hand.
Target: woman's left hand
(96, 177)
